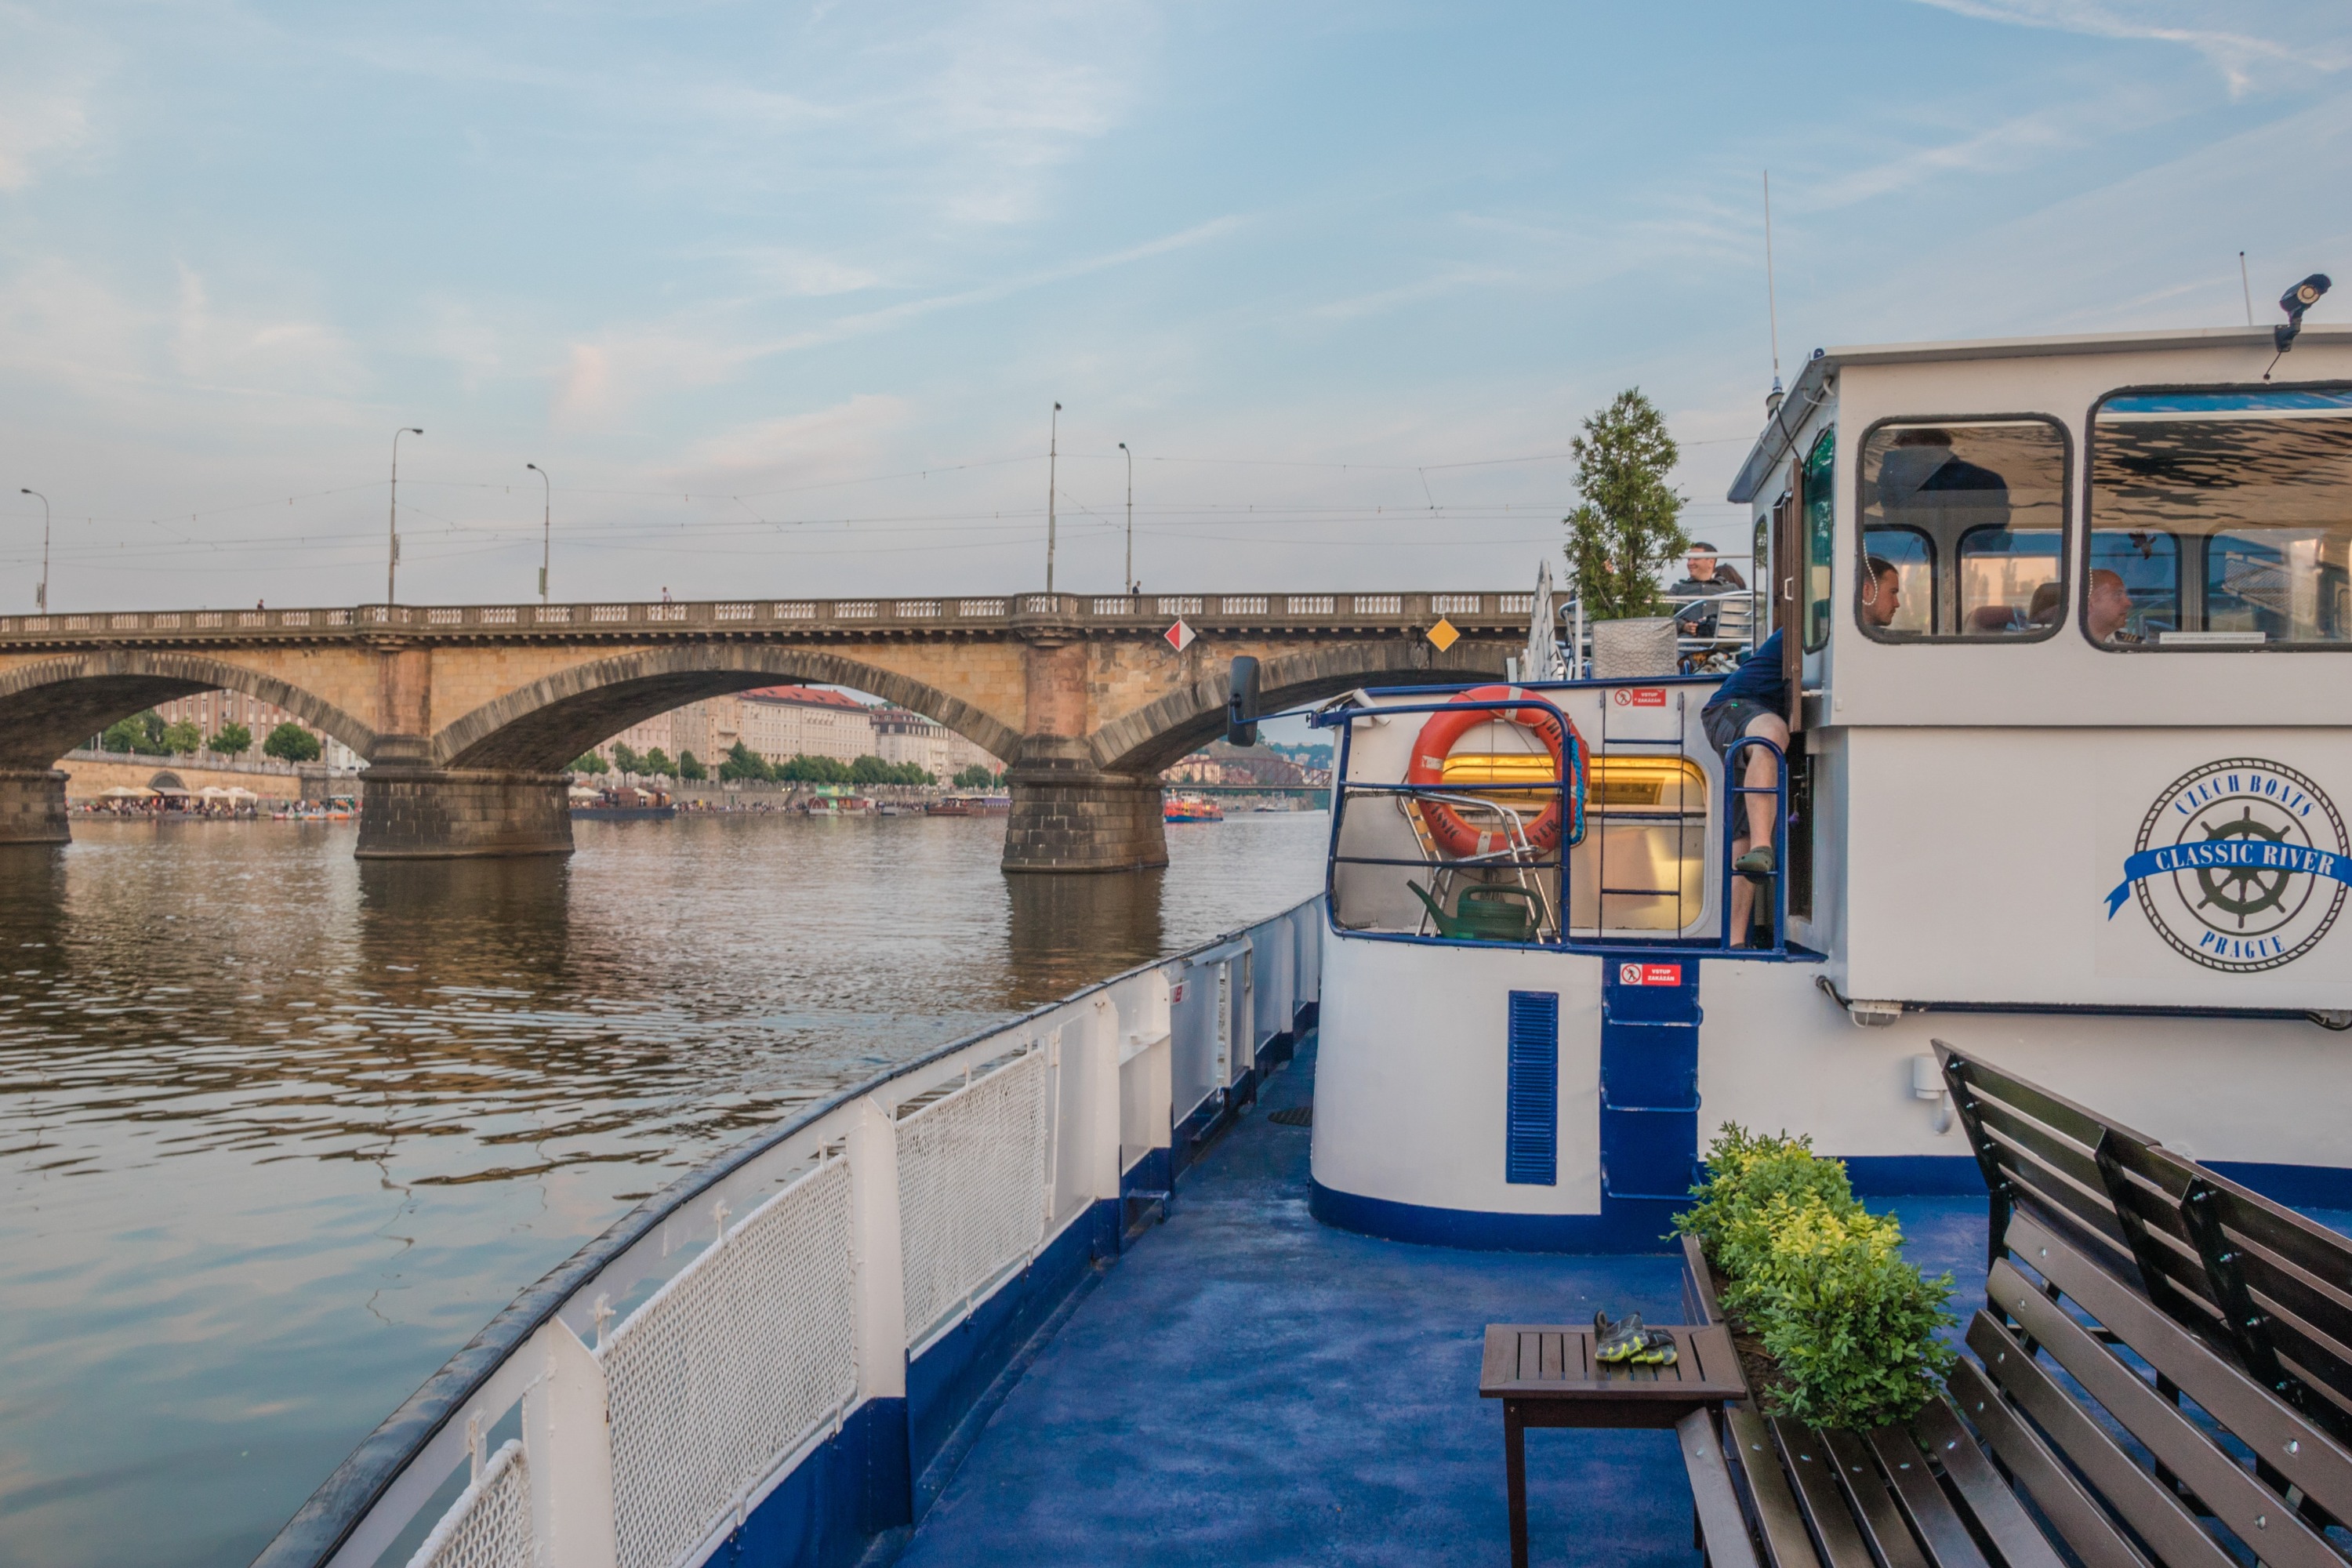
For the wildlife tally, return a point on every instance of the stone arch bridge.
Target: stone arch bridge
(466, 714)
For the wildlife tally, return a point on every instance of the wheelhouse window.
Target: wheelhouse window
(2221, 519)
(1971, 516)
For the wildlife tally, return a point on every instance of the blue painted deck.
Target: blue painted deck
(1248, 1386)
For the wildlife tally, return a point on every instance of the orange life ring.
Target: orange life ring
(1436, 738)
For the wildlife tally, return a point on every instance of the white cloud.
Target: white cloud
(48, 76)
(2242, 39)
(839, 442)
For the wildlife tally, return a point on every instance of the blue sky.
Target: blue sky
(781, 295)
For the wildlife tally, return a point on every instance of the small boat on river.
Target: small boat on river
(1192, 808)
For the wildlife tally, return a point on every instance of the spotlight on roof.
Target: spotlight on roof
(2295, 302)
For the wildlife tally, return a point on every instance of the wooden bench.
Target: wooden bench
(2251, 1277)
(2096, 1424)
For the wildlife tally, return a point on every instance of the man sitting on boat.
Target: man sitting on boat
(1703, 579)
(2107, 607)
(1753, 702)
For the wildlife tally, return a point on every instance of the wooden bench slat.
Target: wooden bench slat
(1777, 1515)
(1933, 1517)
(2296, 1446)
(2090, 1208)
(1814, 1471)
(2151, 1510)
(1998, 1512)
(2061, 1499)
(2307, 1244)
(1874, 1505)
(1499, 1361)
(2053, 1110)
(2260, 1517)
(1720, 1522)
(1698, 1286)
(2040, 1145)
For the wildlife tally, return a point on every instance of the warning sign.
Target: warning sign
(1639, 697)
(1179, 636)
(1649, 974)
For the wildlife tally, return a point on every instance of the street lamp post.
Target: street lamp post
(1128, 586)
(41, 594)
(392, 560)
(1053, 448)
(546, 530)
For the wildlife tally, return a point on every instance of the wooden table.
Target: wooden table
(1545, 1375)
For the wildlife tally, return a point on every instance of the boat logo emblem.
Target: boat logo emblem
(2240, 865)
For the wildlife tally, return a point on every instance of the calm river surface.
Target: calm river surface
(279, 1131)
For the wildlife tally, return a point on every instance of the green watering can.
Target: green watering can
(1484, 914)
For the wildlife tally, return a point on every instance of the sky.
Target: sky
(781, 296)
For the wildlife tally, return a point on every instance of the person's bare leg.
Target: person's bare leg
(1760, 771)
(1743, 898)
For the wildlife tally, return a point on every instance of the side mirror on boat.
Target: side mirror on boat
(1242, 703)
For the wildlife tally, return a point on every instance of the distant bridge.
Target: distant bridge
(467, 713)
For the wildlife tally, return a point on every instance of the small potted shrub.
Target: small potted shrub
(1835, 1329)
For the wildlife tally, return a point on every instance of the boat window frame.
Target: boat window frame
(2067, 479)
(2180, 556)
(1806, 537)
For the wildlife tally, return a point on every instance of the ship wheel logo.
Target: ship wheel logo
(2240, 865)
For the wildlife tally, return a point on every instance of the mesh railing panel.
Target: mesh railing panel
(490, 1526)
(730, 1366)
(971, 1188)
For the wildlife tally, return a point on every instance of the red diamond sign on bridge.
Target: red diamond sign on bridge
(1179, 636)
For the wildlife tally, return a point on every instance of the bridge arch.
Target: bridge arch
(1152, 737)
(48, 708)
(543, 725)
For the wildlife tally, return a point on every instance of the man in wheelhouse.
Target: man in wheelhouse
(1753, 701)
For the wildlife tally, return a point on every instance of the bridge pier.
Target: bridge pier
(1069, 815)
(414, 812)
(33, 806)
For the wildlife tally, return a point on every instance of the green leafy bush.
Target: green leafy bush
(690, 769)
(1746, 1171)
(292, 742)
(1821, 1283)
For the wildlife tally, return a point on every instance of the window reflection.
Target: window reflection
(1971, 516)
(2226, 516)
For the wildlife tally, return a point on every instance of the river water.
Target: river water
(279, 1131)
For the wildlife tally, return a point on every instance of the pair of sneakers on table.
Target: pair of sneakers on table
(1626, 1342)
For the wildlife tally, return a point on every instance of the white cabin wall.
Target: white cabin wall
(1982, 859)
(1776, 1054)
(1412, 1068)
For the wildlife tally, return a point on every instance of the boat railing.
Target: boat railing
(638, 1405)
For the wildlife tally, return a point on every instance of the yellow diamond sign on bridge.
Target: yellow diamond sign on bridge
(1444, 634)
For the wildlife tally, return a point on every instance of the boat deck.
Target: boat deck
(1250, 1387)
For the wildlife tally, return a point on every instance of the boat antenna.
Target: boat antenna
(1772, 296)
(2248, 287)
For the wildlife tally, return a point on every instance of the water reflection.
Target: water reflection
(280, 1130)
(1067, 932)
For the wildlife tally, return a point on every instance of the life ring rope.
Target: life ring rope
(1446, 727)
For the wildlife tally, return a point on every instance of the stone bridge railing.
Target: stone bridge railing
(1004, 612)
